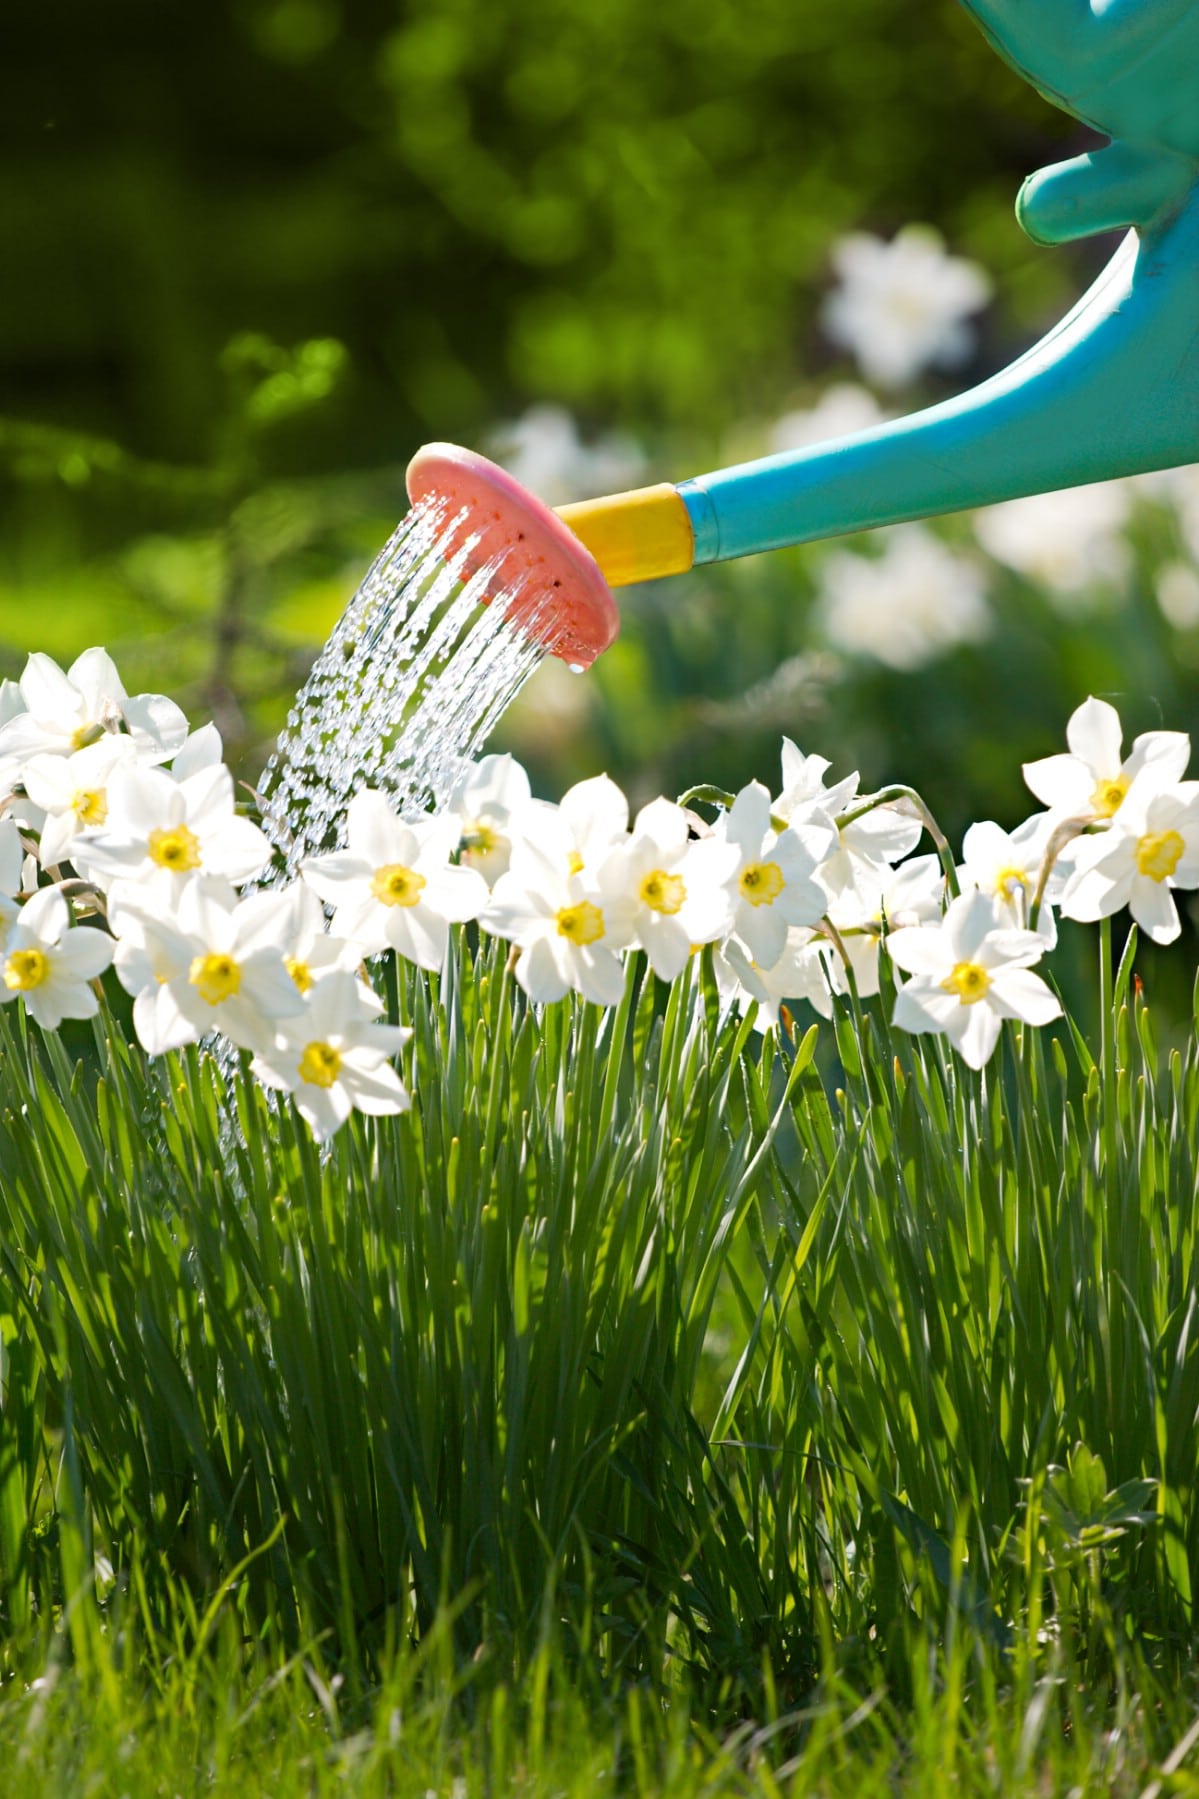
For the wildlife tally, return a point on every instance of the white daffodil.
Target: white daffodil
(291, 919)
(334, 1058)
(48, 962)
(577, 833)
(902, 306)
(484, 799)
(1093, 781)
(908, 895)
(1151, 847)
(155, 823)
(1070, 542)
(674, 893)
(775, 884)
(1007, 865)
(63, 712)
(394, 886)
(804, 791)
(71, 792)
(906, 607)
(568, 933)
(201, 968)
(969, 973)
(801, 972)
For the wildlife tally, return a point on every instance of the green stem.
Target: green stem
(1107, 1053)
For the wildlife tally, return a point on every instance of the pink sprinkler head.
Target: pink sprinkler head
(552, 584)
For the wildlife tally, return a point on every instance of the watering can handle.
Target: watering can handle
(1112, 390)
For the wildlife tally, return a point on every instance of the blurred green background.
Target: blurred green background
(262, 249)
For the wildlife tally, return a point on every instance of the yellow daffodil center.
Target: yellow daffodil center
(395, 885)
(1010, 881)
(582, 924)
(25, 970)
(215, 977)
(479, 839)
(761, 883)
(1158, 854)
(968, 981)
(320, 1064)
(86, 734)
(300, 973)
(177, 849)
(90, 805)
(662, 892)
(574, 863)
(1108, 796)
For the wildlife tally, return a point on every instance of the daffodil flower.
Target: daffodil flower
(394, 886)
(485, 799)
(801, 972)
(333, 1057)
(157, 825)
(63, 712)
(576, 834)
(71, 792)
(199, 967)
(671, 892)
(48, 963)
(291, 920)
(969, 973)
(567, 930)
(1150, 848)
(775, 885)
(1007, 865)
(1093, 781)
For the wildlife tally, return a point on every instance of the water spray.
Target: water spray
(1112, 390)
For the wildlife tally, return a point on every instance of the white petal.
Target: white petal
(538, 973)
(1152, 905)
(1018, 993)
(1095, 734)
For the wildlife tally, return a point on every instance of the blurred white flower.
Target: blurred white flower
(333, 1057)
(393, 885)
(200, 750)
(969, 973)
(842, 411)
(484, 799)
(902, 306)
(776, 882)
(568, 933)
(63, 712)
(674, 892)
(545, 452)
(906, 607)
(1151, 847)
(194, 963)
(48, 962)
(71, 792)
(1071, 542)
(1178, 595)
(1092, 781)
(155, 823)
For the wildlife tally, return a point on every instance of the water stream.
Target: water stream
(408, 687)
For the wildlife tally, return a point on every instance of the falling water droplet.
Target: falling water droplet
(576, 668)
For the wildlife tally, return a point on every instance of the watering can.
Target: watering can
(1111, 390)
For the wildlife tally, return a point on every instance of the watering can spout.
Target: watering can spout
(1112, 390)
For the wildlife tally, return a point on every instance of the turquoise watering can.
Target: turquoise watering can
(1112, 390)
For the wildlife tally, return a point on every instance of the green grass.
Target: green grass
(654, 1406)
